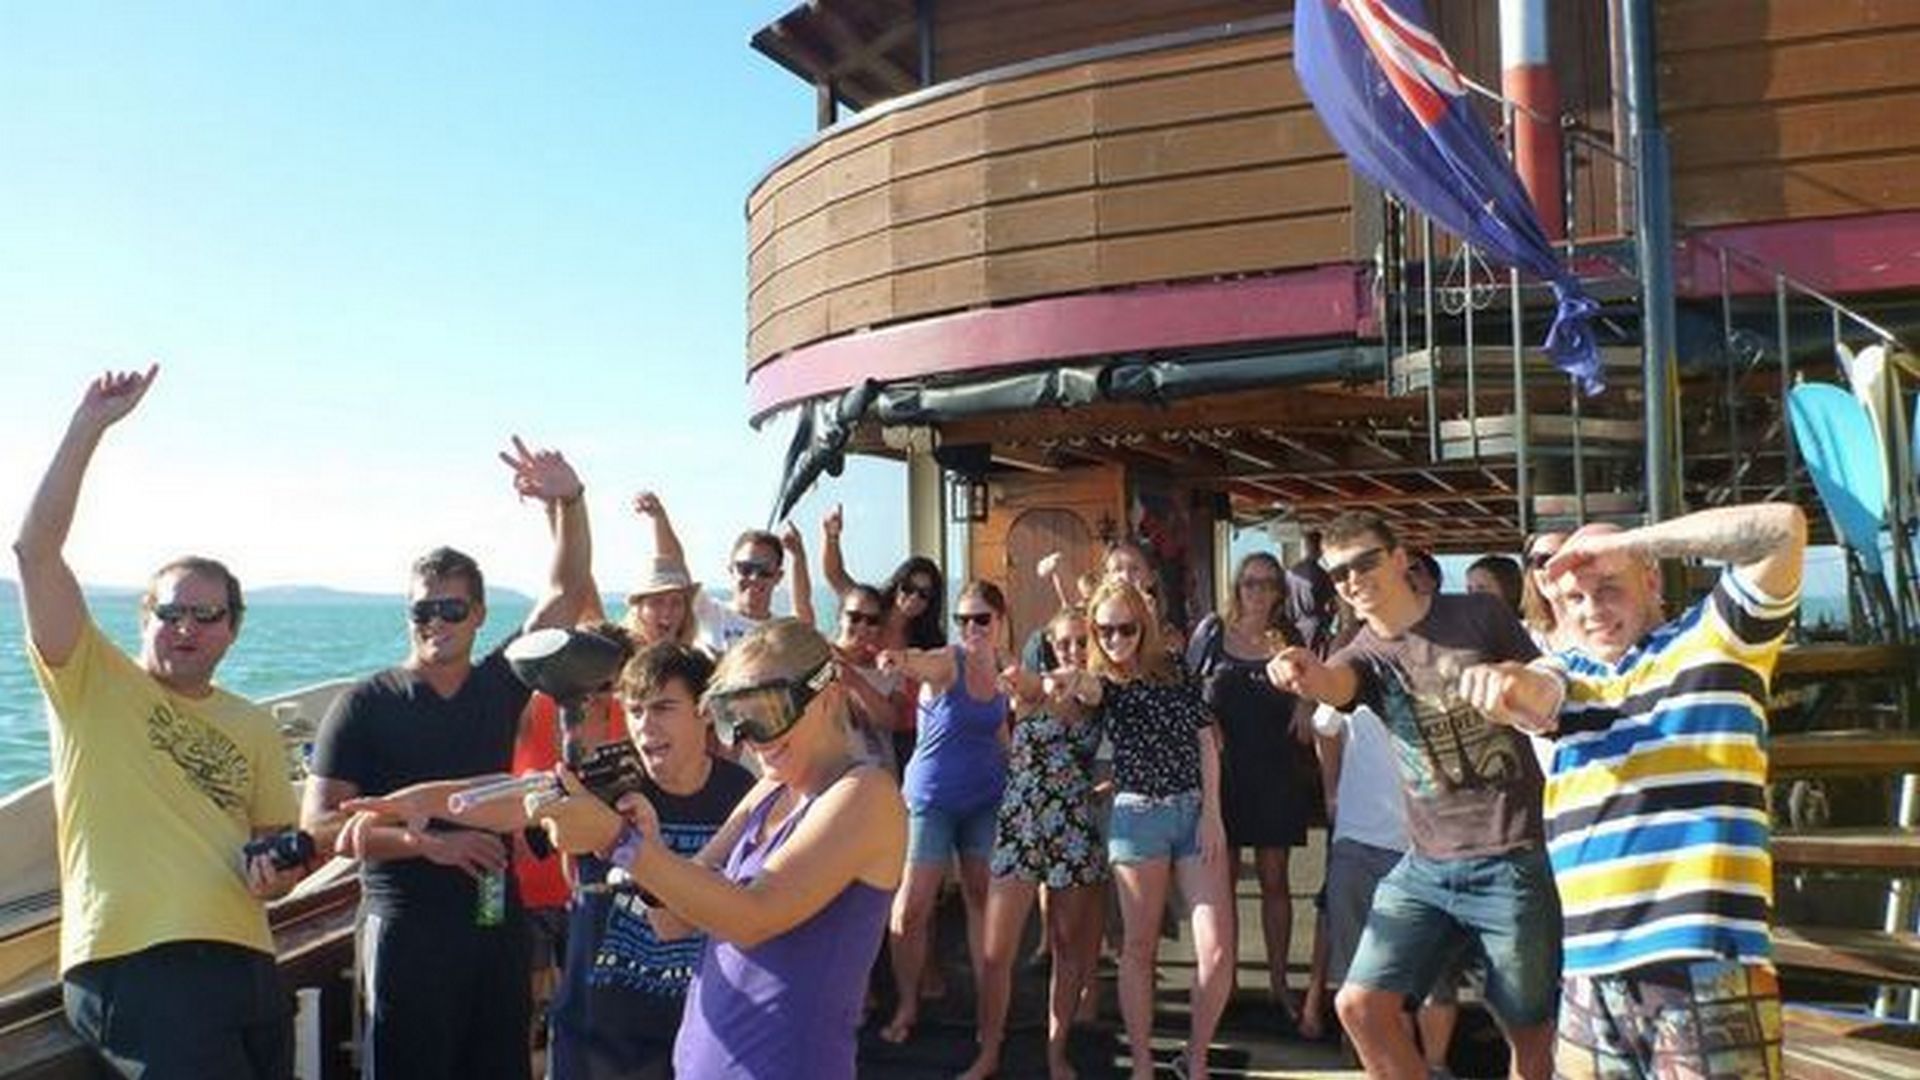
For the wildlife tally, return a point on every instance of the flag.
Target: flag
(1390, 95)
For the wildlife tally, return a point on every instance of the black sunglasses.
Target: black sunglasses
(204, 614)
(973, 618)
(861, 618)
(1363, 563)
(448, 609)
(924, 592)
(764, 712)
(752, 570)
(1117, 630)
(1539, 560)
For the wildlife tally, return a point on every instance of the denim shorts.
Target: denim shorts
(935, 835)
(1148, 827)
(1500, 909)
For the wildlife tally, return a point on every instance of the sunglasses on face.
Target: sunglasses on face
(923, 592)
(1262, 584)
(448, 609)
(754, 570)
(1363, 563)
(1064, 643)
(1538, 560)
(765, 712)
(204, 614)
(856, 617)
(1109, 631)
(973, 618)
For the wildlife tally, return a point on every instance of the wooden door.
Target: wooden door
(1033, 534)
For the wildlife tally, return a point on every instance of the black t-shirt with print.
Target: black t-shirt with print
(1154, 728)
(391, 730)
(1473, 787)
(619, 1003)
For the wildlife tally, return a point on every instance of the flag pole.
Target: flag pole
(1653, 242)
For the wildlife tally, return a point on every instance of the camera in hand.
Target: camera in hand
(287, 850)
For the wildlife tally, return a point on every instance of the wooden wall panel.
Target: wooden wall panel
(1780, 111)
(971, 36)
(1187, 161)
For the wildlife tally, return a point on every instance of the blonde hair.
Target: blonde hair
(1277, 615)
(1151, 661)
(689, 622)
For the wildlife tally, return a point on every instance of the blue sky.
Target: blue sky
(367, 242)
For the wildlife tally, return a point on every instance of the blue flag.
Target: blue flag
(1393, 100)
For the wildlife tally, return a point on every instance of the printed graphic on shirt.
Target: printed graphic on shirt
(209, 759)
(1443, 744)
(631, 957)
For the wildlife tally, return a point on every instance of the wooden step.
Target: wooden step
(1825, 660)
(1549, 434)
(1413, 372)
(1844, 752)
(1867, 954)
(1822, 1044)
(1888, 850)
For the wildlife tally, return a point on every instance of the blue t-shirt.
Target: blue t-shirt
(619, 1002)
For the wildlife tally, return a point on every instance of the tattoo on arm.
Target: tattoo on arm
(1738, 540)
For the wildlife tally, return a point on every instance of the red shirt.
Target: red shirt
(537, 749)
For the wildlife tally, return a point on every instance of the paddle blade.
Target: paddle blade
(1836, 441)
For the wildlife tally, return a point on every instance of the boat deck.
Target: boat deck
(1250, 1042)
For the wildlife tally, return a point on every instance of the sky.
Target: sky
(368, 242)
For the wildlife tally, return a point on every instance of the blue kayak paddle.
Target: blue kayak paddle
(1836, 441)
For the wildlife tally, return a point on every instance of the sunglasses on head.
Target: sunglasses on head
(973, 618)
(752, 570)
(861, 618)
(204, 614)
(448, 609)
(1117, 630)
(764, 712)
(1363, 563)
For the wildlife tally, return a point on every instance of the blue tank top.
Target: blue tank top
(789, 1006)
(959, 764)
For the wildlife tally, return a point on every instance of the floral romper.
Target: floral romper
(1045, 831)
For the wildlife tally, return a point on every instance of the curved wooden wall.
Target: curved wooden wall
(1187, 161)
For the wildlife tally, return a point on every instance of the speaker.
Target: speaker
(967, 459)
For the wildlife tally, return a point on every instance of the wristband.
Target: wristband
(626, 847)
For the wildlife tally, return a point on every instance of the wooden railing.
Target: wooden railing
(1188, 156)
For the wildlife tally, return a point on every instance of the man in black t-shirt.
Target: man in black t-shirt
(443, 947)
(624, 984)
(1311, 600)
(1476, 878)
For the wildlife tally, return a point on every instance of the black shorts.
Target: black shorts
(185, 1010)
(445, 999)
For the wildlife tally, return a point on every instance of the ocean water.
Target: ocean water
(284, 645)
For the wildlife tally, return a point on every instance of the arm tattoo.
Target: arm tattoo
(1740, 540)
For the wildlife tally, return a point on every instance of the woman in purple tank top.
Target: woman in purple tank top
(792, 892)
(952, 785)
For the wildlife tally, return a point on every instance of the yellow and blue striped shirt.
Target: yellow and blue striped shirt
(1656, 808)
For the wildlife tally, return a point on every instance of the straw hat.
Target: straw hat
(667, 575)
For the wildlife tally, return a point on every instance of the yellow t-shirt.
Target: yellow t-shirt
(155, 795)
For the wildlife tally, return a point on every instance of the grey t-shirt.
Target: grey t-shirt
(1473, 787)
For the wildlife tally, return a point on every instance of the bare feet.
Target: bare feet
(900, 1028)
(987, 1064)
(1057, 1066)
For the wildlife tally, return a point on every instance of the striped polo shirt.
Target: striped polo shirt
(1656, 809)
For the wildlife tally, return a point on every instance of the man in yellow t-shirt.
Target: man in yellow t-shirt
(160, 779)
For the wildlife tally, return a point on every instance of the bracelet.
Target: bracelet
(626, 847)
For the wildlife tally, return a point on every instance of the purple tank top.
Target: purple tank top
(959, 764)
(789, 1006)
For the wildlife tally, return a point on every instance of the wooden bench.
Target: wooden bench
(1825, 1045)
(1890, 850)
(1829, 660)
(1867, 954)
(1845, 752)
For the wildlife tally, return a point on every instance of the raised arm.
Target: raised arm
(666, 542)
(1766, 540)
(833, 564)
(49, 592)
(799, 580)
(545, 475)
(931, 667)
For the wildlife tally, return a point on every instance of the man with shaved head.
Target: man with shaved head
(1656, 809)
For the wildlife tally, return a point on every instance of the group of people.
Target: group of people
(1571, 809)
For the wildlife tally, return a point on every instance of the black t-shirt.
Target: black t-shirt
(1311, 603)
(392, 730)
(619, 1004)
(1473, 787)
